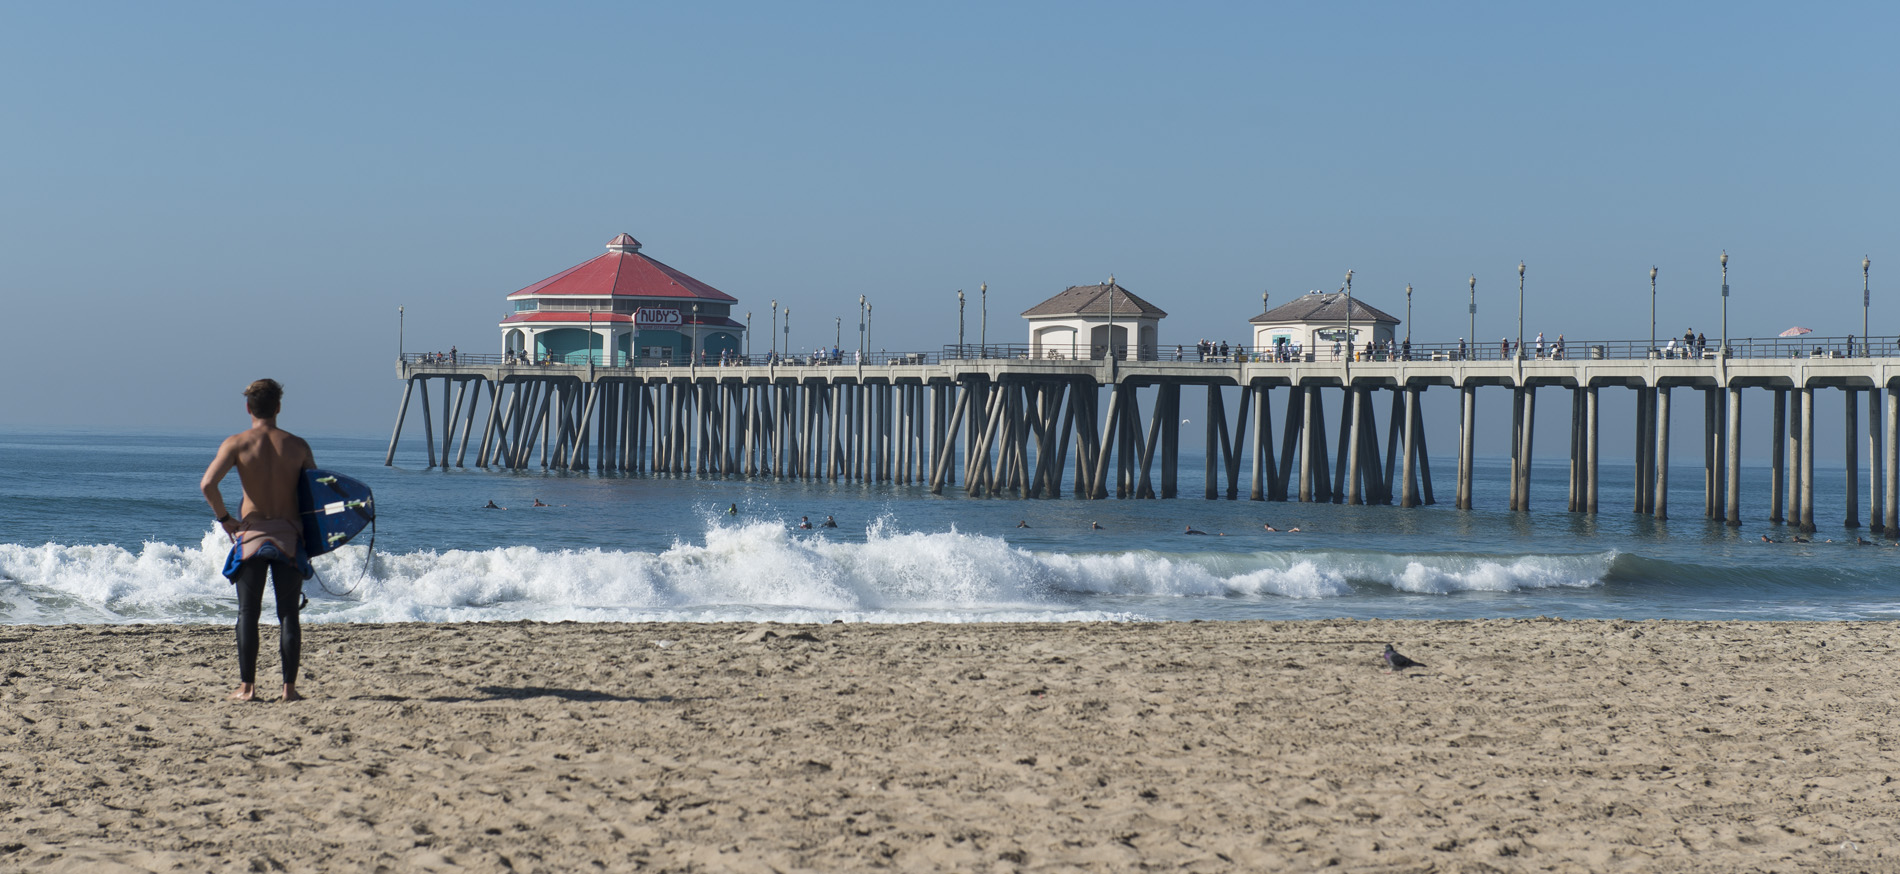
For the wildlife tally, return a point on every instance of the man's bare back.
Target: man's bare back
(269, 462)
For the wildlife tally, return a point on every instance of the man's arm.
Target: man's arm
(221, 465)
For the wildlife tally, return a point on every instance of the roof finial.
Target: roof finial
(623, 243)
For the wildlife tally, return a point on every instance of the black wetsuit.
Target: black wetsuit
(287, 584)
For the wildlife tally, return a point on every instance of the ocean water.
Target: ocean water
(108, 527)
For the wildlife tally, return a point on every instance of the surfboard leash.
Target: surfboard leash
(369, 552)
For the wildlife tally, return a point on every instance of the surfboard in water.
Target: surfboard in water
(335, 507)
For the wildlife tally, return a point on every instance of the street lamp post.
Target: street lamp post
(748, 337)
(983, 330)
(774, 337)
(1520, 311)
(1866, 340)
(837, 332)
(399, 326)
(1256, 345)
(1723, 354)
(1349, 335)
(695, 334)
(867, 326)
(863, 324)
(1474, 312)
(1408, 316)
(788, 330)
(959, 321)
(1652, 312)
(1109, 352)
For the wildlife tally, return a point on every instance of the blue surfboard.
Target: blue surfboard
(335, 507)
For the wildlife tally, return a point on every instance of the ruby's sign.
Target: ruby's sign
(655, 317)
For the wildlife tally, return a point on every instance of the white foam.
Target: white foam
(747, 571)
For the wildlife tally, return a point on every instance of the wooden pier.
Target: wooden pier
(1013, 427)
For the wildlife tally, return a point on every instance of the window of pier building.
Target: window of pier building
(568, 346)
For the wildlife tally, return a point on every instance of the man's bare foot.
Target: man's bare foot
(290, 693)
(244, 692)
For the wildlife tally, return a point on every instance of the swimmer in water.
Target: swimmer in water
(804, 521)
(732, 509)
(537, 503)
(1269, 527)
(1023, 524)
(1096, 526)
(830, 522)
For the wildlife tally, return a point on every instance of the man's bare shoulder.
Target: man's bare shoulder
(295, 446)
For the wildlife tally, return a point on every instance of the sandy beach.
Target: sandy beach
(1525, 745)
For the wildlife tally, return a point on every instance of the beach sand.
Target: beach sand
(1526, 745)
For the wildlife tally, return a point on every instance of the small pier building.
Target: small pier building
(1086, 321)
(618, 307)
(1317, 324)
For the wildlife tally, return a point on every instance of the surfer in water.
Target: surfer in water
(493, 506)
(830, 522)
(268, 530)
(732, 510)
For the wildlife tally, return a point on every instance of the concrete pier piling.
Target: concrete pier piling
(1008, 427)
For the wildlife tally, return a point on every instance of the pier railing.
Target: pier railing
(1805, 346)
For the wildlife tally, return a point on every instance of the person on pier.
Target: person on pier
(267, 535)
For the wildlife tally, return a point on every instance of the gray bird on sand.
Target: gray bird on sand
(1395, 661)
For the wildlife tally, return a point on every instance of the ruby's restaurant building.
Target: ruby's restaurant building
(605, 309)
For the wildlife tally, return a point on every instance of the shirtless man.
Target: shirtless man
(268, 461)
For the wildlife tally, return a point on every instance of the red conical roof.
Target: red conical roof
(623, 271)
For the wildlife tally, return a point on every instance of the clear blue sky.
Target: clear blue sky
(196, 195)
